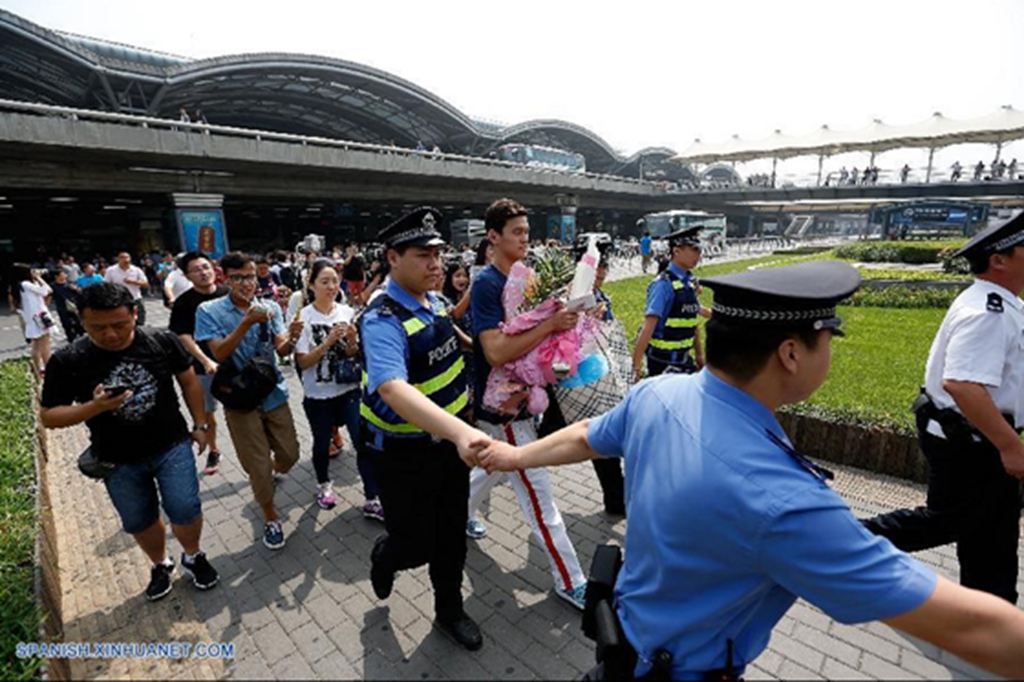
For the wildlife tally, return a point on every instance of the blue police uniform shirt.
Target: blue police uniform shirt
(488, 313)
(88, 280)
(216, 319)
(726, 529)
(386, 336)
(660, 296)
(645, 246)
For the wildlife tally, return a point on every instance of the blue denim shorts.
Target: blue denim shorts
(206, 381)
(133, 489)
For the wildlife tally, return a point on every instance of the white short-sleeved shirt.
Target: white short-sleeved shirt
(318, 381)
(981, 340)
(177, 282)
(118, 276)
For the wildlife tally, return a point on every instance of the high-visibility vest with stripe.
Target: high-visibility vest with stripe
(437, 369)
(672, 342)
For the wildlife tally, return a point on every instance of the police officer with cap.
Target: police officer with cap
(969, 417)
(670, 336)
(729, 525)
(414, 401)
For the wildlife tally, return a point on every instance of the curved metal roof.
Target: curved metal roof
(296, 93)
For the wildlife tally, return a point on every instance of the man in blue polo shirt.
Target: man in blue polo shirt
(236, 329)
(705, 452)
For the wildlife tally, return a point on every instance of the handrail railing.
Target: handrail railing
(258, 135)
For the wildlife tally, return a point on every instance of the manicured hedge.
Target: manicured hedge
(900, 296)
(18, 523)
(895, 252)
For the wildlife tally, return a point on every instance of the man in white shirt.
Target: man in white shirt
(969, 417)
(176, 283)
(132, 277)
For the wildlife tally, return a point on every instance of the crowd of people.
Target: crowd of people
(395, 342)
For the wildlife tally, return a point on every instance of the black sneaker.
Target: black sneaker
(204, 576)
(160, 580)
(462, 630)
(212, 463)
(381, 579)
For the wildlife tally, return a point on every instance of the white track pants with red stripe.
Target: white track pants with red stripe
(533, 490)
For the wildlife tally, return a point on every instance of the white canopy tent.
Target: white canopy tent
(937, 131)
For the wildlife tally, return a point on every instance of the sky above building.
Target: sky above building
(638, 74)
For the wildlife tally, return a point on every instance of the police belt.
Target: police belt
(954, 425)
(601, 623)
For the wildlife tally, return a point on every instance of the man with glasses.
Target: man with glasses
(670, 337)
(264, 438)
(199, 271)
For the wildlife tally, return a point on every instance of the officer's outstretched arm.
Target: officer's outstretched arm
(975, 626)
(417, 409)
(566, 446)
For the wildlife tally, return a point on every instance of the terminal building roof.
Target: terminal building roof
(293, 93)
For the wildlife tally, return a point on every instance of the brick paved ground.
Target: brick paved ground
(309, 611)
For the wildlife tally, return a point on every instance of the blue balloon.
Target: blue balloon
(591, 369)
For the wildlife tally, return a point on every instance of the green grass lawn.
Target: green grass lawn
(876, 369)
(21, 615)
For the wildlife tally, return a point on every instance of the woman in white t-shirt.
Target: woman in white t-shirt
(325, 355)
(29, 292)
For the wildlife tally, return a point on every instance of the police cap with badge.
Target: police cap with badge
(687, 236)
(416, 228)
(802, 296)
(999, 237)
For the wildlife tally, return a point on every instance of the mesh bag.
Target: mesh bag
(596, 398)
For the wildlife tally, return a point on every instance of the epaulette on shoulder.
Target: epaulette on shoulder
(994, 304)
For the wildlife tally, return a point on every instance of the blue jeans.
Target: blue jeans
(323, 416)
(133, 489)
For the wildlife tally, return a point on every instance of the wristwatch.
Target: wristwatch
(204, 428)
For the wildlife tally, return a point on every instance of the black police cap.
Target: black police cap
(796, 297)
(416, 228)
(687, 236)
(1000, 236)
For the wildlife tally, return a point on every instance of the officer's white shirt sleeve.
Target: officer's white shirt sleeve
(977, 348)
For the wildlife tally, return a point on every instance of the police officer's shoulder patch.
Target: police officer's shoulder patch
(994, 303)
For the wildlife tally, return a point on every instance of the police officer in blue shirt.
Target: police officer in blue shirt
(414, 400)
(729, 525)
(670, 336)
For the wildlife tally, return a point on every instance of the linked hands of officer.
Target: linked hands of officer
(496, 455)
(470, 442)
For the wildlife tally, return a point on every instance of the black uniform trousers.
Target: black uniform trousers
(657, 367)
(608, 469)
(971, 501)
(424, 491)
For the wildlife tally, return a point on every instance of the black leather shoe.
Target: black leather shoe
(381, 579)
(462, 630)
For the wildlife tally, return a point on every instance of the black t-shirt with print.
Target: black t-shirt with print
(183, 316)
(149, 422)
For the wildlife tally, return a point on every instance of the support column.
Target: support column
(931, 158)
(567, 204)
(775, 162)
(821, 163)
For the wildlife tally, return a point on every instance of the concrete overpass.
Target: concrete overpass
(61, 149)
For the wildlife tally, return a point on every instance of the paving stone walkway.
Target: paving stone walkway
(308, 611)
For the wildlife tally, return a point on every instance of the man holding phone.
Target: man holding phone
(118, 380)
